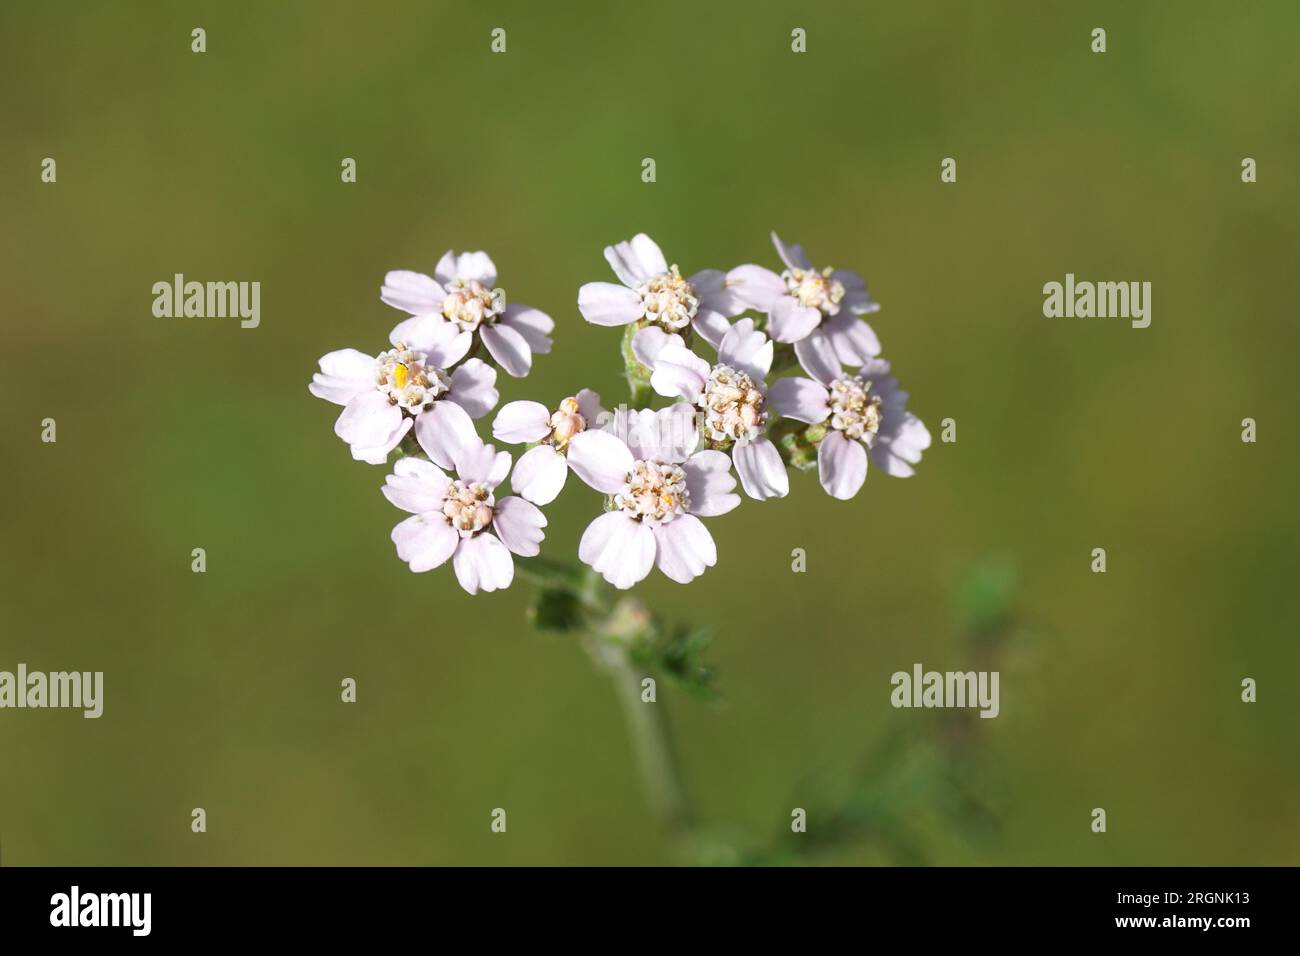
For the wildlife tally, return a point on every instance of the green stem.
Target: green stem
(640, 393)
(614, 627)
(657, 757)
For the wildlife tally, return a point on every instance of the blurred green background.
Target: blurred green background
(222, 689)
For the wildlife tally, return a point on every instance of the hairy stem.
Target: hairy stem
(617, 629)
(656, 754)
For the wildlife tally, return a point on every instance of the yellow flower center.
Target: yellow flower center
(733, 405)
(854, 410)
(468, 506)
(470, 304)
(654, 491)
(565, 423)
(403, 376)
(668, 300)
(814, 289)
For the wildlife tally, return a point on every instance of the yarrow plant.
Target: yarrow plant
(796, 384)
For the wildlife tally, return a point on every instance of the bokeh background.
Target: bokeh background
(222, 689)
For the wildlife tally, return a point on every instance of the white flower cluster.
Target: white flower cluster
(661, 470)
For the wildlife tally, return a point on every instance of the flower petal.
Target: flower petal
(467, 266)
(851, 281)
(710, 325)
(590, 408)
(445, 270)
(754, 287)
(710, 483)
(636, 260)
(711, 289)
(601, 459)
(799, 398)
(762, 472)
(648, 343)
(679, 373)
(425, 541)
(416, 485)
(895, 453)
(477, 265)
(854, 341)
(519, 525)
(442, 430)
(856, 297)
(788, 321)
(817, 356)
(619, 548)
(793, 256)
(746, 349)
(841, 465)
(667, 434)
(372, 427)
(483, 563)
(533, 324)
(473, 387)
(348, 364)
(508, 347)
(539, 474)
(344, 374)
(684, 548)
(859, 302)
(443, 343)
(412, 292)
(520, 422)
(878, 370)
(477, 461)
(604, 303)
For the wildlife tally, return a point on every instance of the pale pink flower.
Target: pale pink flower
(462, 518)
(540, 472)
(658, 491)
(384, 396)
(816, 309)
(731, 398)
(655, 292)
(461, 293)
(865, 416)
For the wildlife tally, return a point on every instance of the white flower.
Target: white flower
(655, 292)
(540, 472)
(408, 385)
(731, 396)
(814, 309)
(461, 294)
(865, 416)
(462, 519)
(658, 493)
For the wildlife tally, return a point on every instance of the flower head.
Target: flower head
(461, 295)
(863, 416)
(656, 295)
(660, 472)
(407, 386)
(540, 472)
(462, 519)
(658, 488)
(815, 309)
(731, 398)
